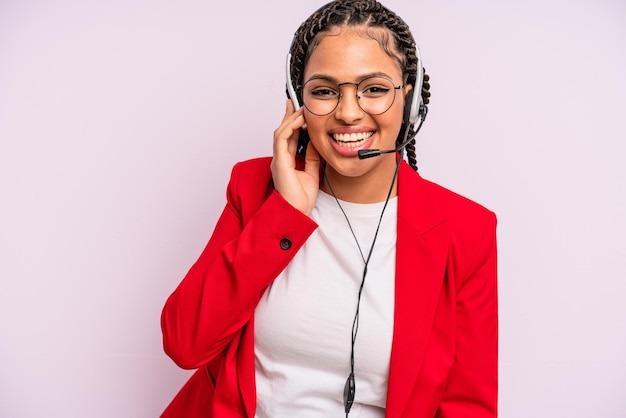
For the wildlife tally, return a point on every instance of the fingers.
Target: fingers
(297, 187)
(289, 107)
(287, 132)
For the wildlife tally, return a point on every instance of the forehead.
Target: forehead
(348, 54)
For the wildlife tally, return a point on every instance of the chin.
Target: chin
(354, 167)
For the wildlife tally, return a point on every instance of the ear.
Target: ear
(408, 88)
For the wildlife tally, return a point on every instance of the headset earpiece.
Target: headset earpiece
(414, 99)
(303, 138)
(291, 91)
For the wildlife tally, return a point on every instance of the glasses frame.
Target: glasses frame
(356, 93)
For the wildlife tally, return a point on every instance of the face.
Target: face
(349, 56)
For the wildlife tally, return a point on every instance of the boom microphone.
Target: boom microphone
(369, 153)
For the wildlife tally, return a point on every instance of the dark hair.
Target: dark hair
(369, 14)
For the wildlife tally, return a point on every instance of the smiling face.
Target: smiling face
(348, 55)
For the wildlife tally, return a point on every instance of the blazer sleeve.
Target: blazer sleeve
(472, 388)
(220, 292)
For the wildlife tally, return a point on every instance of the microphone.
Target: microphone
(369, 153)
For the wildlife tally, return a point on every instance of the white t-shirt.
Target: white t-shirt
(303, 322)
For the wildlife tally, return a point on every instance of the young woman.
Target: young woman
(334, 284)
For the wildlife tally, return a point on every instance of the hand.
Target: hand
(299, 188)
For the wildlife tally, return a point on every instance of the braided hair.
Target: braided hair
(369, 14)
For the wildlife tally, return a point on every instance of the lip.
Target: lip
(351, 151)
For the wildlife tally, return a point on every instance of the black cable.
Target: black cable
(349, 391)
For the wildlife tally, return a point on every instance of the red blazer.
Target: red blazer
(444, 348)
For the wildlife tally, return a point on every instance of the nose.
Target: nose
(348, 108)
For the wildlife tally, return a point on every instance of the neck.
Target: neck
(371, 187)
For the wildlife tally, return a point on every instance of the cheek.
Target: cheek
(399, 111)
(393, 121)
(316, 126)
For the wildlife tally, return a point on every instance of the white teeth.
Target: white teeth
(353, 139)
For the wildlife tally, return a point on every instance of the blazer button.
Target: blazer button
(285, 243)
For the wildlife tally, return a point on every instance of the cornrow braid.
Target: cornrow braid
(367, 13)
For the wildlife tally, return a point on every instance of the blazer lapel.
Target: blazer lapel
(421, 254)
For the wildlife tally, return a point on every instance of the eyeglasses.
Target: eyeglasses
(375, 95)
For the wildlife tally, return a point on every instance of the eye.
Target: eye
(375, 91)
(324, 93)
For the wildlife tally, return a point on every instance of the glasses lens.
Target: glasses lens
(320, 96)
(375, 95)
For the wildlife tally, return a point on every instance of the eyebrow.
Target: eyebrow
(360, 78)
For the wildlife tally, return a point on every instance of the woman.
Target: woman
(333, 284)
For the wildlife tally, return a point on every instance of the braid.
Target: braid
(410, 151)
(367, 13)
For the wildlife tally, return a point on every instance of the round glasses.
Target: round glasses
(375, 95)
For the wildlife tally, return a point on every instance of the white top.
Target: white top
(303, 322)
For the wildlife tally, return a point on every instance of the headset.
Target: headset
(414, 111)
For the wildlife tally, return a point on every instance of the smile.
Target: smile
(352, 140)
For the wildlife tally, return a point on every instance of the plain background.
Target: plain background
(120, 121)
